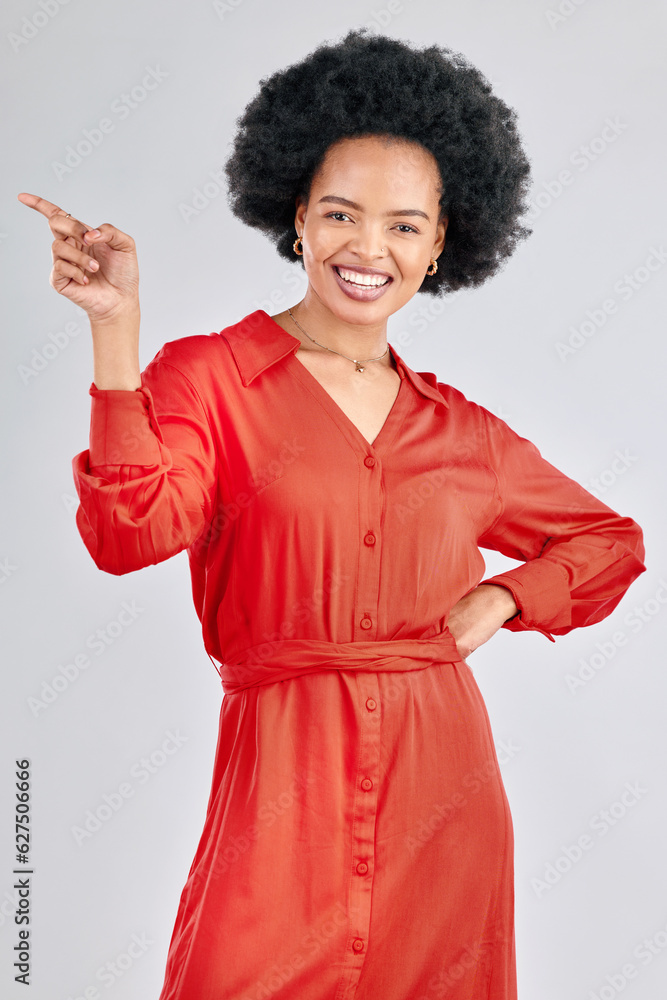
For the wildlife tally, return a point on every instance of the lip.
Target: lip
(367, 294)
(363, 270)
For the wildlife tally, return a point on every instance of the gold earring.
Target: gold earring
(294, 246)
(434, 265)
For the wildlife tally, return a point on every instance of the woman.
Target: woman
(358, 841)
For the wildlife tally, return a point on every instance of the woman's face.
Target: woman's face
(370, 193)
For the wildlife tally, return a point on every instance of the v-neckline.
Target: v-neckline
(339, 414)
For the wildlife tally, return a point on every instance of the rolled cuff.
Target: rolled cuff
(542, 594)
(123, 428)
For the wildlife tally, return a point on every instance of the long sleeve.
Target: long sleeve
(146, 484)
(580, 556)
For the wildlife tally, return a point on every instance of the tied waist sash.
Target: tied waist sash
(269, 662)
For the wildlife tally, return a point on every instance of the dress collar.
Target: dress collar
(256, 342)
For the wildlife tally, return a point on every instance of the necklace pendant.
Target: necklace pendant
(359, 368)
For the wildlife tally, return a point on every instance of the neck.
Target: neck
(352, 340)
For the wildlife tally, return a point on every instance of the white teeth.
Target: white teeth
(356, 278)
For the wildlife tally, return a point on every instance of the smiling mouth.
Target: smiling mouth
(358, 280)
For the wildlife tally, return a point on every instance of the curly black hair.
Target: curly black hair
(375, 85)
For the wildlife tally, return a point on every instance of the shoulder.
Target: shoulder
(206, 361)
(465, 408)
(459, 407)
(454, 398)
(193, 354)
(234, 356)
(191, 369)
(484, 431)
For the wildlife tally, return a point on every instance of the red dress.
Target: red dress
(358, 841)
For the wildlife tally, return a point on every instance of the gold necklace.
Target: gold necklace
(360, 365)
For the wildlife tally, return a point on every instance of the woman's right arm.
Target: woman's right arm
(146, 484)
(147, 481)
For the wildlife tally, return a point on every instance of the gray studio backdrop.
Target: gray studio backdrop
(105, 679)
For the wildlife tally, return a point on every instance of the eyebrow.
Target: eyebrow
(352, 204)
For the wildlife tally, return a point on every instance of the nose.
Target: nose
(368, 241)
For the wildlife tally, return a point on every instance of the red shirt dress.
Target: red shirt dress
(358, 842)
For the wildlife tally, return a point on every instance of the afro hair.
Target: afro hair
(375, 85)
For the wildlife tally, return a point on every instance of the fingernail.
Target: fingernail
(92, 233)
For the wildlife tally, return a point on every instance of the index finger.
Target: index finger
(51, 212)
(46, 208)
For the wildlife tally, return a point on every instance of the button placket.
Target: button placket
(367, 774)
(368, 579)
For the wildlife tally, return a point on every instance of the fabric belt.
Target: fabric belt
(269, 662)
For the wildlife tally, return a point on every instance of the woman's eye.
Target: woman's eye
(343, 216)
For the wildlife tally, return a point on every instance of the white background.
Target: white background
(572, 749)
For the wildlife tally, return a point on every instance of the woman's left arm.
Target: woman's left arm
(579, 556)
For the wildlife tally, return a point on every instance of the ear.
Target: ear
(300, 215)
(440, 237)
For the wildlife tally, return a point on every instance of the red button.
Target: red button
(369, 461)
(371, 704)
(366, 623)
(362, 868)
(369, 539)
(366, 784)
(358, 944)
